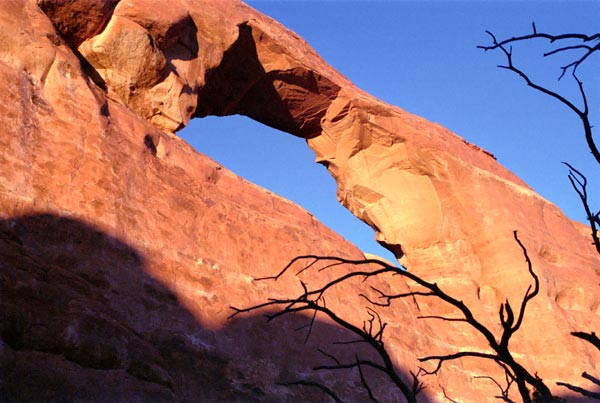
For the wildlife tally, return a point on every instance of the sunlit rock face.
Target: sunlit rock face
(123, 248)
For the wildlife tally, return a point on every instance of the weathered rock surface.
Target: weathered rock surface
(122, 248)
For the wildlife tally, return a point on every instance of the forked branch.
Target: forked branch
(583, 391)
(595, 341)
(584, 46)
(579, 184)
(371, 333)
(589, 337)
(589, 44)
(501, 353)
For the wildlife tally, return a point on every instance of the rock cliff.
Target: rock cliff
(122, 248)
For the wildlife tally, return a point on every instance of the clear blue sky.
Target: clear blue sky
(422, 57)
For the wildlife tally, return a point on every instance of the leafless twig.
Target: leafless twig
(589, 43)
(372, 330)
(579, 184)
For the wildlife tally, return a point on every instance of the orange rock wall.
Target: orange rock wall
(124, 248)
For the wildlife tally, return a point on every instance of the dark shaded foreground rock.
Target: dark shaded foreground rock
(82, 320)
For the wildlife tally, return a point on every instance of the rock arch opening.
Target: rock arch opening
(282, 164)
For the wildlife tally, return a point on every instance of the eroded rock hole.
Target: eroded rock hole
(282, 164)
(150, 144)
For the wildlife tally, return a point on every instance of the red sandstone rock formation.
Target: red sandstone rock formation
(122, 248)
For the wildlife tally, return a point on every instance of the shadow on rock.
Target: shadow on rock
(81, 320)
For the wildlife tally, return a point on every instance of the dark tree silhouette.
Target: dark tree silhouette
(579, 184)
(514, 371)
(372, 331)
(313, 300)
(586, 46)
(582, 391)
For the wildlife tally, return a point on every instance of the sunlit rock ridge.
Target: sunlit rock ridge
(123, 248)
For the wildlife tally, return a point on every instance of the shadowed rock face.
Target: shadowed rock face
(83, 319)
(122, 248)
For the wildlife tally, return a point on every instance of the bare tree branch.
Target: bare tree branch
(331, 356)
(570, 44)
(448, 357)
(595, 341)
(591, 378)
(444, 318)
(503, 390)
(446, 395)
(589, 337)
(580, 390)
(582, 113)
(510, 325)
(528, 295)
(372, 330)
(389, 298)
(579, 184)
(364, 381)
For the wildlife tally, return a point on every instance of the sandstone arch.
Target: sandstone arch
(414, 182)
